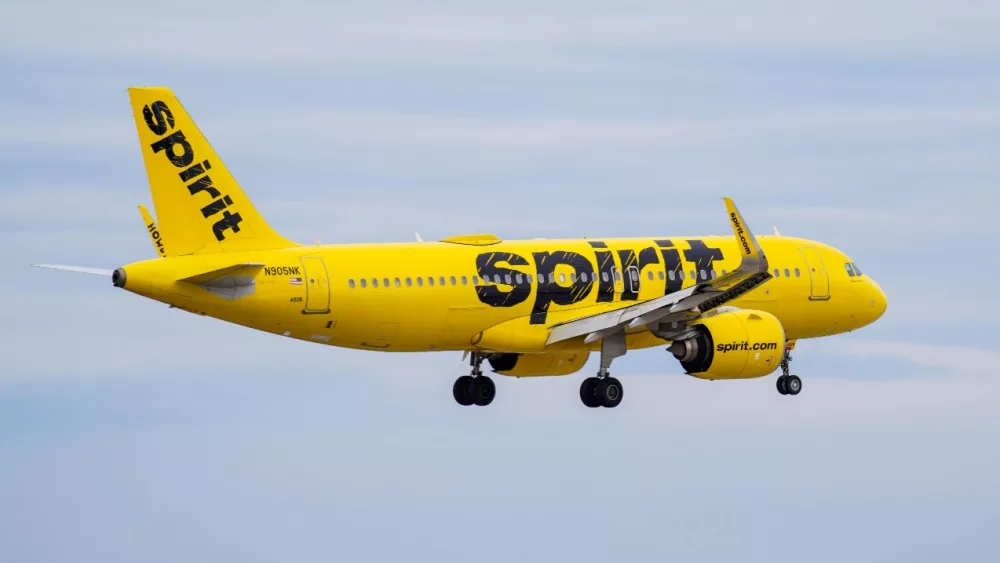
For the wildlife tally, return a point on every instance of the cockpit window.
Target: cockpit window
(850, 269)
(857, 271)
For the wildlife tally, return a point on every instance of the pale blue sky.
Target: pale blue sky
(130, 432)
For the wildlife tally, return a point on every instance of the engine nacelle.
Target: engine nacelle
(537, 365)
(739, 344)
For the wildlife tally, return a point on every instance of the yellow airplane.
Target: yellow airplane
(724, 307)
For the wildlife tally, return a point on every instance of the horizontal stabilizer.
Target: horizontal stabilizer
(249, 269)
(78, 269)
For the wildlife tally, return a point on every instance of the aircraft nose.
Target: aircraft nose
(879, 302)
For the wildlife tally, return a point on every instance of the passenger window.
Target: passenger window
(671, 275)
(374, 282)
(475, 280)
(797, 274)
(420, 282)
(712, 274)
(660, 274)
(787, 273)
(724, 272)
(604, 276)
(506, 279)
(496, 278)
(454, 281)
(572, 277)
(562, 278)
(364, 283)
(409, 282)
(704, 275)
(440, 280)
(350, 283)
(583, 277)
(693, 275)
(518, 278)
(529, 278)
(397, 282)
(777, 274)
(552, 278)
(649, 275)
(430, 281)
(618, 276)
(465, 280)
(682, 274)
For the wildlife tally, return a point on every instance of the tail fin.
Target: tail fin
(199, 205)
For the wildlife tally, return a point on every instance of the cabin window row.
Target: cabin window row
(509, 279)
(788, 273)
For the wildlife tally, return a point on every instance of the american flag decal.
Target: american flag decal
(295, 281)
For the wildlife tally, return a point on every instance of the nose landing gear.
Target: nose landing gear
(788, 384)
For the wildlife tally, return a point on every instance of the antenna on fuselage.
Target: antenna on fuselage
(419, 238)
(776, 233)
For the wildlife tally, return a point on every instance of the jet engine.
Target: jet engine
(536, 365)
(739, 344)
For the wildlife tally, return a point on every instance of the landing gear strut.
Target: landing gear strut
(788, 384)
(604, 390)
(476, 388)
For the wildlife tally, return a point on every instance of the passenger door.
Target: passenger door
(819, 280)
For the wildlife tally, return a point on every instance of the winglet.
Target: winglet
(753, 254)
(154, 232)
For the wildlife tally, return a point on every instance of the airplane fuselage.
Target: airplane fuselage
(444, 295)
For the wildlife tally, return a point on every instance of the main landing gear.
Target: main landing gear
(788, 384)
(476, 388)
(604, 390)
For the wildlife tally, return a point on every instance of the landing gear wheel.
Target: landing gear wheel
(782, 380)
(482, 390)
(609, 392)
(792, 385)
(588, 392)
(460, 390)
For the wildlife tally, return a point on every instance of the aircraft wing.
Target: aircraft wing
(682, 306)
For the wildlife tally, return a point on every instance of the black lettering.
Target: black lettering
(168, 144)
(158, 117)
(672, 264)
(488, 268)
(632, 268)
(230, 221)
(194, 171)
(702, 256)
(606, 271)
(549, 289)
(204, 184)
(216, 206)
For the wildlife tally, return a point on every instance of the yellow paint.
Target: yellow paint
(811, 296)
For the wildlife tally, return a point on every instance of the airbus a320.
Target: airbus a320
(724, 307)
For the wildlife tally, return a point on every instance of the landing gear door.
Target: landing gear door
(819, 280)
(317, 284)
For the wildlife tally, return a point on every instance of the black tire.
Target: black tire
(482, 390)
(588, 392)
(461, 391)
(781, 385)
(793, 385)
(609, 392)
